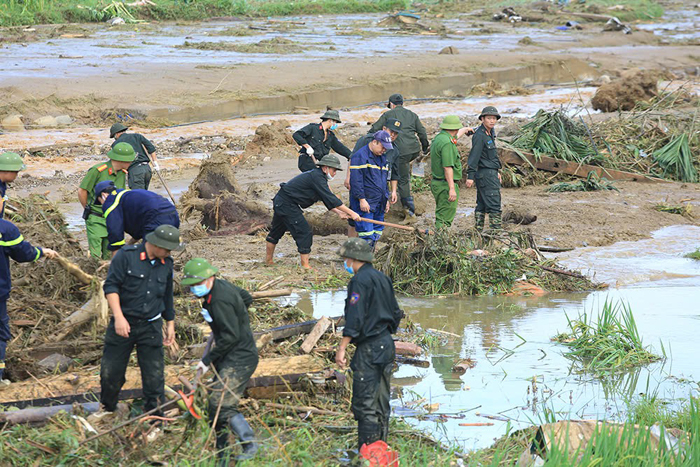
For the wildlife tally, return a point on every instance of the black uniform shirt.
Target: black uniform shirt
(145, 290)
(483, 154)
(392, 155)
(411, 127)
(227, 306)
(138, 142)
(370, 305)
(312, 134)
(309, 187)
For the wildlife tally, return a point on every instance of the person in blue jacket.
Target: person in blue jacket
(136, 212)
(12, 245)
(369, 195)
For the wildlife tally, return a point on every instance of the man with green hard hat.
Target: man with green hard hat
(140, 171)
(316, 140)
(372, 315)
(115, 170)
(482, 171)
(446, 168)
(234, 356)
(10, 165)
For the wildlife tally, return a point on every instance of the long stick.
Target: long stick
(387, 224)
(160, 177)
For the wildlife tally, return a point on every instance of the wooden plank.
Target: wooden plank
(551, 164)
(289, 330)
(318, 330)
(296, 364)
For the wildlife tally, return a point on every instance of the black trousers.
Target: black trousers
(140, 176)
(488, 191)
(289, 217)
(305, 163)
(147, 337)
(227, 391)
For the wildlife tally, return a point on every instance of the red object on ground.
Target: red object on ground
(379, 454)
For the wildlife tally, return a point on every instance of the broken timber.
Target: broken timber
(551, 164)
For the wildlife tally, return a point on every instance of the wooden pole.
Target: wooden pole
(271, 293)
(388, 224)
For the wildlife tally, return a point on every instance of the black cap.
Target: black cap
(396, 99)
(393, 125)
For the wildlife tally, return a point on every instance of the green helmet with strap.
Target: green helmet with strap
(122, 152)
(11, 162)
(356, 248)
(451, 122)
(196, 270)
(490, 110)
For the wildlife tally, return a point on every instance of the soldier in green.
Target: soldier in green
(140, 171)
(483, 166)
(408, 146)
(121, 156)
(446, 168)
(235, 356)
(10, 165)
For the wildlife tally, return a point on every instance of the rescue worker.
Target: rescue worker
(483, 170)
(408, 146)
(121, 156)
(136, 212)
(317, 139)
(446, 168)
(369, 196)
(299, 193)
(139, 291)
(234, 357)
(10, 165)
(12, 245)
(140, 170)
(391, 157)
(372, 315)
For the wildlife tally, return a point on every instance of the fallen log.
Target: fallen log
(75, 270)
(270, 293)
(41, 414)
(551, 164)
(303, 409)
(553, 249)
(564, 273)
(96, 307)
(289, 330)
(271, 283)
(318, 330)
(407, 348)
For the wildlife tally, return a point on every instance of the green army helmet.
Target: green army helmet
(122, 152)
(331, 115)
(356, 248)
(117, 128)
(330, 160)
(165, 236)
(490, 110)
(196, 270)
(11, 162)
(451, 122)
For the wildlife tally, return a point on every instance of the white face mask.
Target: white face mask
(329, 176)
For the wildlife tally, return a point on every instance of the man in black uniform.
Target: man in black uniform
(407, 144)
(483, 170)
(299, 193)
(317, 140)
(139, 290)
(235, 356)
(139, 171)
(372, 315)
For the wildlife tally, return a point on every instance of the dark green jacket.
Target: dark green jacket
(483, 154)
(227, 308)
(410, 128)
(140, 144)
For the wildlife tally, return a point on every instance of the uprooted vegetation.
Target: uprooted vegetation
(275, 45)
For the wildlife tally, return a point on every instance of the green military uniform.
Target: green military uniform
(444, 153)
(483, 166)
(408, 146)
(95, 224)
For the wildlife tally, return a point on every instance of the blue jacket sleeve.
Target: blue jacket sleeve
(19, 249)
(114, 217)
(357, 176)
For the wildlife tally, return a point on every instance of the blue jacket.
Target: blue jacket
(132, 211)
(368, 177)
(13, 245)
(3, 190)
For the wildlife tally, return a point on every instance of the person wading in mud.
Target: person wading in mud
(482, 171)
(392, 127)
(139, 291)
(136, 212)
(299, 193)
(121, 156)
(408, 145)
(317, 140)
(12, 245)
(140, 170)
(10, 165)
(234, 357)
(372, 315)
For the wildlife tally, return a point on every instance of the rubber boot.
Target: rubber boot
(222, 453)
(368, 433)
(479, 219)
(245, 433)
(409, 204)
(495, 221)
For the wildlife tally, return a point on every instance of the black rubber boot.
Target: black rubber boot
(245, 433)
(222, 453)
(479, 220)
(409, 204)
(495, 222)
(368, 433)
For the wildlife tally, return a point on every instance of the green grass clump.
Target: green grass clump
(685, 210)
(676, 160)
(419, 184)
(611, 343)
(694, 255)
(590, 183)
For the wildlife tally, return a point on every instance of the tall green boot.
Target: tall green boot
(495, 221)
(479, 219)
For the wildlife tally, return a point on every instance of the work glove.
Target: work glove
(202, 367)
(155, 165)
(309, 151)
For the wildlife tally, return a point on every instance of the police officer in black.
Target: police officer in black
(299, 193)
(139, 290)
(372, 315)
(139, 171)
(317, 140)
(483, 170)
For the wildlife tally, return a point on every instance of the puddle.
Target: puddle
(509, 338)
(679, 25)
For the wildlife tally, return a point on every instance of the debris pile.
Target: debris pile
(624, 93)
(590, 183)
(272, 139)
